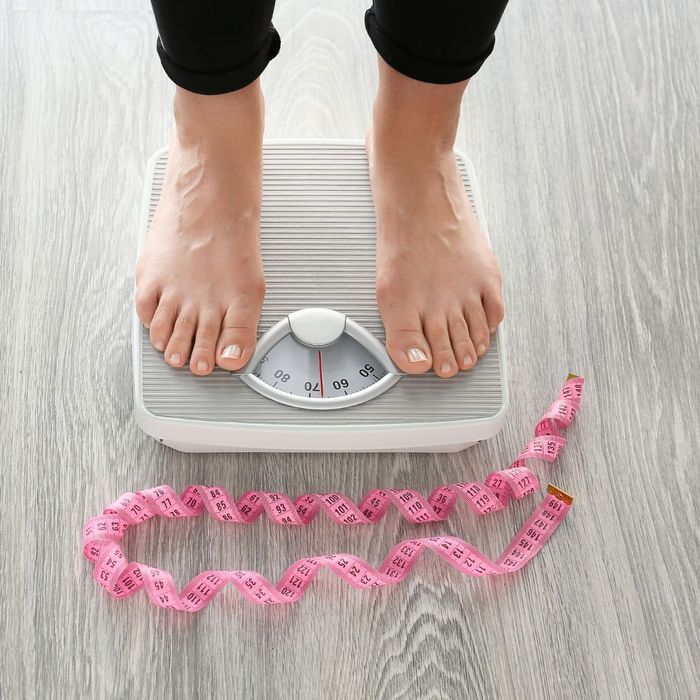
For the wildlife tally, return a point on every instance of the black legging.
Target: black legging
(217, 46)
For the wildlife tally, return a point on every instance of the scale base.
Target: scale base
(200, 448)
(318, 242)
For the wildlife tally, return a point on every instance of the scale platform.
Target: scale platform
(318, 241)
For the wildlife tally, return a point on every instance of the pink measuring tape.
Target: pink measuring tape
(122, 578)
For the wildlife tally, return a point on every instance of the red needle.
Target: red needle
(320, 370)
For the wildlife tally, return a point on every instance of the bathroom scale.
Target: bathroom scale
(320, 379)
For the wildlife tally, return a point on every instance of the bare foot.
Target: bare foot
(438, 282)
(199, 277)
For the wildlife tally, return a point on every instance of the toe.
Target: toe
(478, 327)
(236, 341)
(493, 307)
(161, 327)
(146, 302)
(462, 345)
(444, 362)
(408, 347)
(180, 343)
(204, 350)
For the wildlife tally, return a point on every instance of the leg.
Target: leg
(199, 277)
(438, 282)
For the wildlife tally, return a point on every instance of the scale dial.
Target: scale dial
(320, 359)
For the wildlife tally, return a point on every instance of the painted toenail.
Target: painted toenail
(160, 345)
(416, 355)
(467, 361)
(202, 366)
(481, 349)
(445, 368)
(232, 352)
(175, 359)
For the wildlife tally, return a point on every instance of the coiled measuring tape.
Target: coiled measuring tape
(122, 578)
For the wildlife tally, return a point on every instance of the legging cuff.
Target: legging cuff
(418, 67)
(220, 82)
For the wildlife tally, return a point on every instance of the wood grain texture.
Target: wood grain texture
(584, 129)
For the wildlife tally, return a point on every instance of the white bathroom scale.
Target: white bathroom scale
(320, 379)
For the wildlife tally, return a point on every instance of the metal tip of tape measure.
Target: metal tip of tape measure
(572, 376)
(552, 490)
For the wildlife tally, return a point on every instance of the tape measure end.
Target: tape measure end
(572, 376)
(552, 490)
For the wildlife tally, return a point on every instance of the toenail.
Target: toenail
(416, 355)
(232, 352)
(481, 349)
(175, 359)
(202, 366)
(467, 361)
(492, 330)
(445, 368)
(146, 325)
(160, 345)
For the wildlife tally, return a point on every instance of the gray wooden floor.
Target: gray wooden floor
(584, 130)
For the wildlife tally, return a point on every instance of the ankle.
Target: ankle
(401, 140)
(220, 119)
(415, 116)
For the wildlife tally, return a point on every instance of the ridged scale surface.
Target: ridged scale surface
(318, 239)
